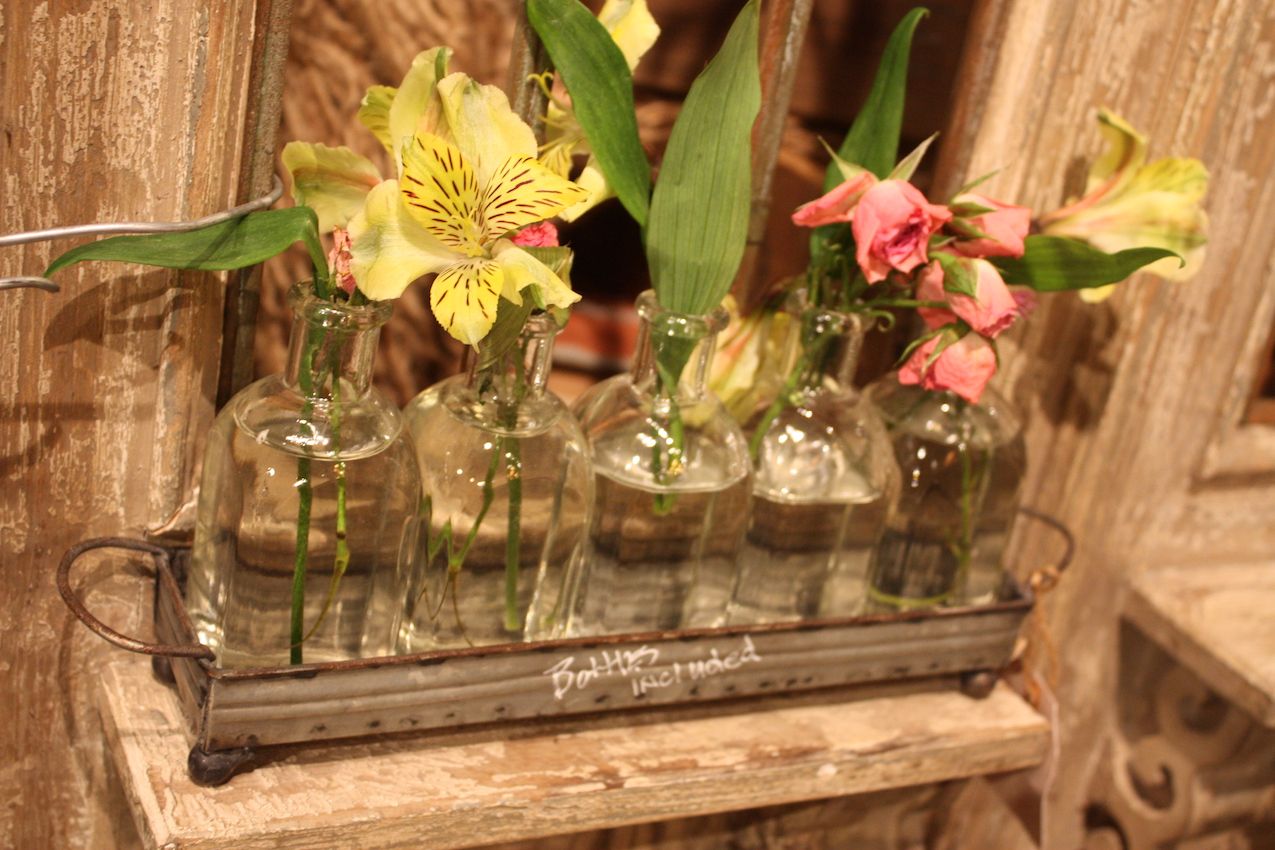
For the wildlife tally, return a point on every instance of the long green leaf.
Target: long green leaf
(699, 212)
(601, 87)
(873, 140)
(1055, 264)
(232, 244)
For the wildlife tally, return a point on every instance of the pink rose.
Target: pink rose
(892, 227)
(1007, 225)
(542, 234)
(837, 205)
(964, 367)
(991, 309)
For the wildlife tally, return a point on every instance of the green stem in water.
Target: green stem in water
(305, 498)
(513, 539)
(341, 561)
(306, 495)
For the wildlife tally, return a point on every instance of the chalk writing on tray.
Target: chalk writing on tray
(643, 669)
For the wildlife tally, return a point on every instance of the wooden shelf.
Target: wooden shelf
(1217, 621)
(531, 780)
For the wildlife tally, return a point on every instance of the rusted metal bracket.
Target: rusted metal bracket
(77, 606)
(124, 227)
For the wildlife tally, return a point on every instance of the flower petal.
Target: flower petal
(836, 205)
(1126, 151)
(594, 182)
(483, 126)
(631, 26)
(374, 114)
(417, 105)
(331, 181)
(522, 270)
(523, 191)
(388, 249)
(441, 192)
(465, 297)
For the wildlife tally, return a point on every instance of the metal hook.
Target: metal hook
(125, 227)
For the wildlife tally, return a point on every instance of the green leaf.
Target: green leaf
(597, 76)
(873, 140)
(976, 182)
(504, 333)
(699, 212)
(907, 166)
(1056, 264)
(959, 275)
(967, 230)
(233, 244)
(969, 209)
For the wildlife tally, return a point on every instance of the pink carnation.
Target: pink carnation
(964, 367)
(991, 309)
(542, 234)
(892, 226)
(1006, 224)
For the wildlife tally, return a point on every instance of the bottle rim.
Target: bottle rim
(332, 314)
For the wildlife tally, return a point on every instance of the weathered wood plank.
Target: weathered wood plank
(1217, 621)
(1134, 406)
(109, 110)
(524, 781)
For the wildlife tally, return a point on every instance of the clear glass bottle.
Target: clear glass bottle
(507, 492)
(307, 503)
(672, 481)
(962, 467)
(824, 480)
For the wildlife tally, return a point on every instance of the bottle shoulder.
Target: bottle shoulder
(450, 406)
(348, 427)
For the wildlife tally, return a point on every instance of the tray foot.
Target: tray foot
(163, 669)
(977, 684)
(214, 768)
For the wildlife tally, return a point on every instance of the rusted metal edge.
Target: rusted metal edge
(160, 557)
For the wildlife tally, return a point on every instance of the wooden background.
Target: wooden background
(142, 109)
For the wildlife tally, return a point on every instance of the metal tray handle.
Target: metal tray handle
(160, 555)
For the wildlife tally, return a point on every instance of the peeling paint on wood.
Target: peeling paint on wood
(112, 110)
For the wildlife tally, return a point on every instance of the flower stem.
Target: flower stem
(306, 496)
(513, 470)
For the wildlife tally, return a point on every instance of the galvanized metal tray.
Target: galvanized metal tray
(235, 712)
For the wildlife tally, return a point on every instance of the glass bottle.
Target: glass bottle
(824, 480)
(672, 476)
(962, 467)
(307, 503)
(507, 490)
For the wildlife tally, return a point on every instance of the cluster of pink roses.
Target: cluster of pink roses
(897, 231)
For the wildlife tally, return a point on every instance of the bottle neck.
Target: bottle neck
(674, 350)
(825, 345)
(504, 376)
(333, 345)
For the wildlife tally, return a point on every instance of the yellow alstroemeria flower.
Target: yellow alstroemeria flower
(443, 217)
(633, 30)
(335, 182)
(467, 178)
(1129, 203)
